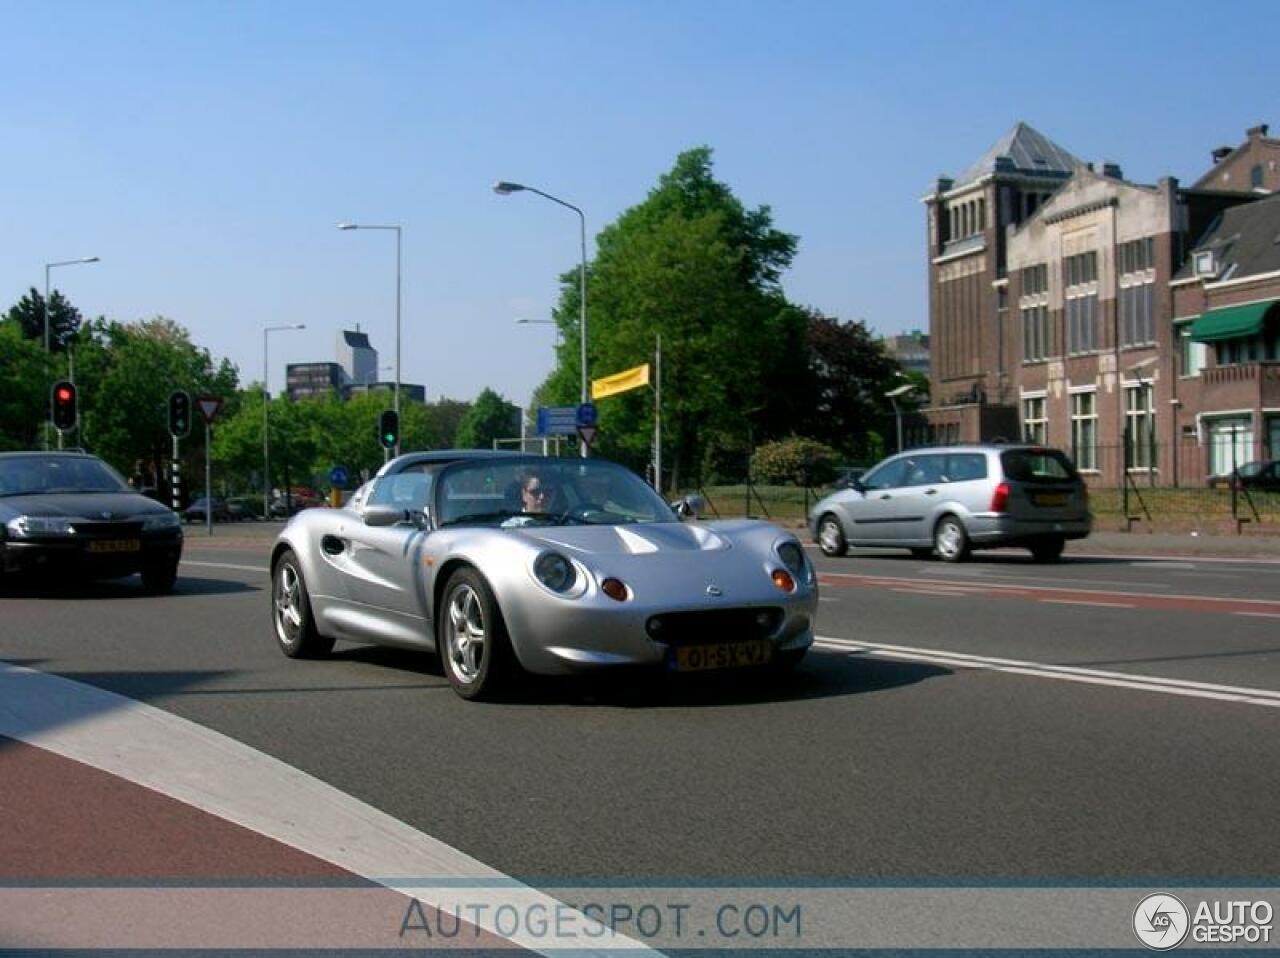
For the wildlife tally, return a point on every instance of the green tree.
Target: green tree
(64, 319)
(25, 376)
(125, 373)
(490, 417)
(850, 373)
(693, 264)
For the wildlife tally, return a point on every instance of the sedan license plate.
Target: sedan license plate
(115, 545)
(1050, 498)
(723, 655)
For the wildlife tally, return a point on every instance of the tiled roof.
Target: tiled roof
(1245, 241)
(1030, 151)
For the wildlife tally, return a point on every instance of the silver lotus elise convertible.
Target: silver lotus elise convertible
(503, 563)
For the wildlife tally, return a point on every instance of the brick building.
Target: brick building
(1053, 321)
(1252, 166)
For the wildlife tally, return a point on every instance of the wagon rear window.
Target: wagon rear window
(1037, 465)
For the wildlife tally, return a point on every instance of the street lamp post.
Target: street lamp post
(47, 268)
(398, 231)
(503, 188)
(893, 395)
(266, 402)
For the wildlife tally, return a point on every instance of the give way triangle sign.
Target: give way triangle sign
(208, 406)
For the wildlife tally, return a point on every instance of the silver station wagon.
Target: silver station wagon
(953, 499)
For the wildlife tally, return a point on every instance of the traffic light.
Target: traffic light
(179, 414)
(64, 405)
(389, 428)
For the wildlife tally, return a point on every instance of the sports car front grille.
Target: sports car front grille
(720, 625)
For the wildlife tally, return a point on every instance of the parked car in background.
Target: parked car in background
(199, 509)
(951, 500)
(282, 507)
(1260, 476)
(70, 513)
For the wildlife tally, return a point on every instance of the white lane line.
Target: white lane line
(1154, 560)
(1106, 605)
(227, 565)
(219, 775)
(890, 582)
(1067, 673)
(1165, 564)
(1260, 615)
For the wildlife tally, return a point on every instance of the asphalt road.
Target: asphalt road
(1095, 719)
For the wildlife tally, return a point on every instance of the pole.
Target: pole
(657, 418)
(208, 482)
(266, 436)
(396, 401)
(47, 415)
(175, 478)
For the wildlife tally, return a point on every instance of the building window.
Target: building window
(1137, 324)
(982, 213)
(1233, 352)
(1084, 429)
(1140, 423)
(1194, 356)
(1137, 262)
(1035, 333)
(1082, 323)
(1035, 420)
(1230, 444)
(1035, 279)
(1255, 177)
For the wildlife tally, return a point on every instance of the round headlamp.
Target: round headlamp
(555, 572)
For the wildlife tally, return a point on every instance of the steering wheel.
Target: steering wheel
(582, 512)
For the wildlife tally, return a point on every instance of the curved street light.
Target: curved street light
(505, 188)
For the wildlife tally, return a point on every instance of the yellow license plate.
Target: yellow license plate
(1051, 499)
(723, 655)
(115, 545)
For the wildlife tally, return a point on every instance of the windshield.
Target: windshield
(37, 475)
(545, 492)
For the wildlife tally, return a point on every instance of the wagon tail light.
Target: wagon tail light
(1000, 498)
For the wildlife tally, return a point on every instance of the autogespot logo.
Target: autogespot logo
(1160, 921)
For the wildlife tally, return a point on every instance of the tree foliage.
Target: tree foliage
(490, 417)
(693, 264)
(64, 319)
(794, 461)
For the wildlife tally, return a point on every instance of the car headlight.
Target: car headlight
(555, 572)
(160, 521)
(792, 556)
(40, 526)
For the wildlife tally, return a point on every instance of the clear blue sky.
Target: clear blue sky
(206, 150)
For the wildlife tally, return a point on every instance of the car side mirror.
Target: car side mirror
(856, 485)
(380, 515)
(688, 507)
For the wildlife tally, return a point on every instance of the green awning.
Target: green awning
(1231, 322)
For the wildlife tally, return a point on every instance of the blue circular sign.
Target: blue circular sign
(338, 476)
(587, 414)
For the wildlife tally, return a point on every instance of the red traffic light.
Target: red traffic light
(64, 413)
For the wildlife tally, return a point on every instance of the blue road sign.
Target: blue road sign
(587, 414)
(557, 420)
(338, 476)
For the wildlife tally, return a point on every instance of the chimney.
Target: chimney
(1112, 170)
(944, 183)
(1221, 153)
(1256, 131)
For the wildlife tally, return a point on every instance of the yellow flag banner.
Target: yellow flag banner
(620, 382)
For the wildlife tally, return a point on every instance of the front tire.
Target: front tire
(1048, 550)
(471, 637)
(950, 540)
(158, 577)
(291, 615)
(831, 538)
